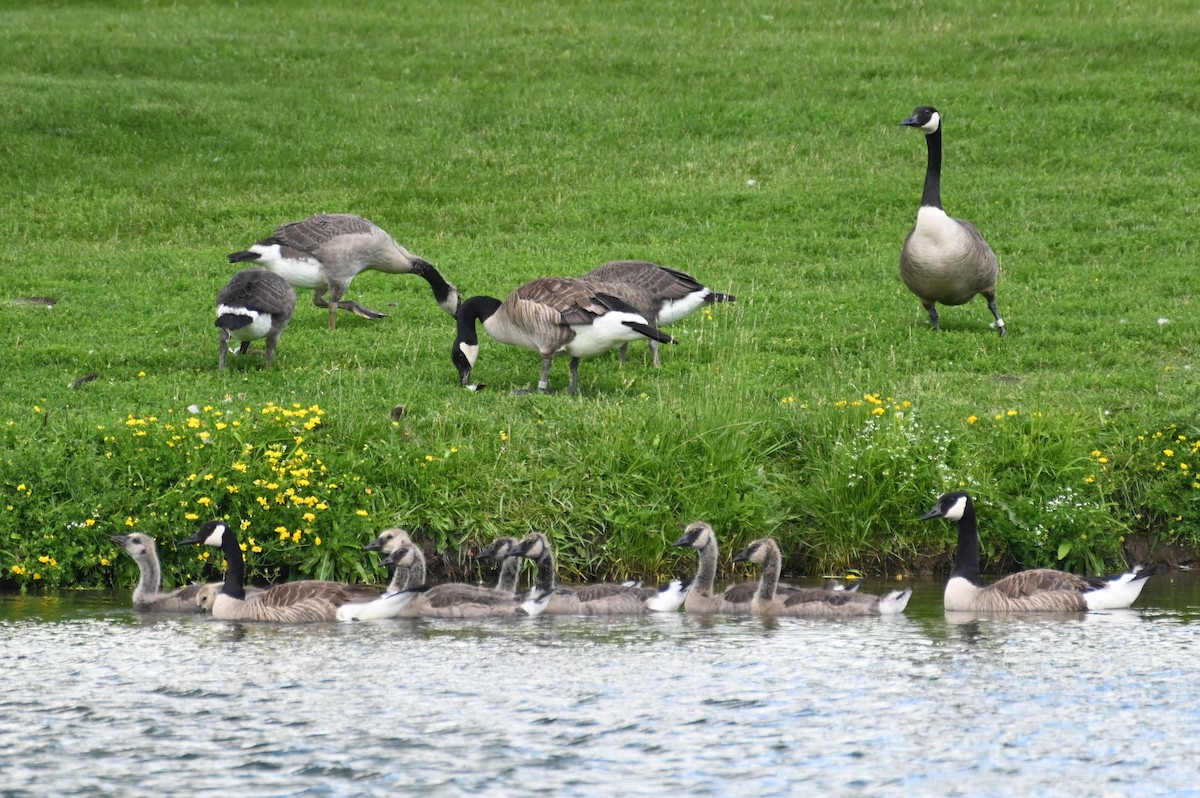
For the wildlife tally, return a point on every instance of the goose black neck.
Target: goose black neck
(477, 308)
(966, 561)
(932, 195)
(441, 288)
(545, 574)
(235, 570)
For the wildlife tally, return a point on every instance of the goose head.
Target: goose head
(497, 550)
(388, 541)
(211, 533)
(697, 535)
(137, 545)
(951, 506)
(925, 118)
(757, 552)
(206, 596)
(533, 547)
(403, 556)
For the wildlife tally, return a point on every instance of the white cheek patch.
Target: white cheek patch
(957, 509)
(933, 124)
(214, 539)
(471, 351)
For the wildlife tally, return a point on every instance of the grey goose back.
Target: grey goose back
(325, 252)
(810, 602)
(457, 599)
(1035, 590)
(304, 601)
(603, 598)
(254, 304)
(147, 597)
(551, 316)
(662, 295)
(944, 260)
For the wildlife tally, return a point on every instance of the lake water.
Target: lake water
(97, 701)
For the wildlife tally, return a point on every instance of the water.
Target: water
(97, 701)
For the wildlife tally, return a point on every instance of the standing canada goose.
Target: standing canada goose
(325, 252)
(254, 304)
(292, 602)
(595, 599)
(551, 316)
(944, 259)
(811, 602)
(510, 567)
(458, 600)
(662, 295)
(1037, 590)
(146, 596)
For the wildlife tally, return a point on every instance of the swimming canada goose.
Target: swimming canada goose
(254, 304)
(1036, 590)
(944, 259)
(702, 598)
(551, 316)
(325, 252)
(595, 599)
(456, 599)
(810, 602)
(388, 541)
(662, 295)
(146, 596)
(510, 567)
(292, 602)
(400, 590)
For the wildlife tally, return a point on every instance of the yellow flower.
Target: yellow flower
(1012, 413)
(877, 411)
(296, 536)
(204, 501)
(429, 458)
(36, 409)
(191, 517)
(104, 561)
(21, 487)
(240, 467)
(1169, 452)
(129, 520)
(1102, 460)
(141, 374)
(17, 570)
(972, 419)
(362, 513)
(245, 524)
(1095, 453)
(317, 541)
(309, 517)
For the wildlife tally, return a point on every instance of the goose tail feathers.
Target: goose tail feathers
(670, 596)
(1120, 591)
(242, 257)
(894, 602)
(653, 333)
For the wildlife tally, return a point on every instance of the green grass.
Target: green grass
(144, 141)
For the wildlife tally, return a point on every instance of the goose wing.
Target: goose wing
(309, 235)
(259, 289)
(1040, 580)
(292, 593)
(604, 590)
(454, 594)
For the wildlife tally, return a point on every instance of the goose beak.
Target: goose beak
(934, 513)
(911, 122)
(742, 556)
(120, 540)
(196, 538)
(681, 542)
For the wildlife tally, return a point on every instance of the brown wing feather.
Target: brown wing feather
(261, 290)
(307, 235)
(1039, 580)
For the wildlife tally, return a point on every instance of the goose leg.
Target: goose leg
(544, 382)
(933, 315)
(654, 351)
(573, 388)
(319, 301)
(348, 305)
(991, 302)
(360, 310)
(624, 350)
(223, 349)
(272, 340)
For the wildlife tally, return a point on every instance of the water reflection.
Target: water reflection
(98, 700)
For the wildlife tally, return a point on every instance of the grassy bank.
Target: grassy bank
(753, 145)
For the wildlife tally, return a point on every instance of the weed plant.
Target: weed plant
(754, 145)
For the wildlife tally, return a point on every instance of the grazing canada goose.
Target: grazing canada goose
(146, 596)
(810, 602)
(325, 252)
(1037, 590)
(595, 599)
(458, 600)
(510, 567)
(292, 602)
(662, 295)
(254, 304)
(944, 259)
(551, 316)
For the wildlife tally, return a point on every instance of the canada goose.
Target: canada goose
(325, 252)
(811, 602)
(595, 599)
(146, 596)
(1036, 590)
(458, 600)
(551, 316)
(702, 598)
(662, 295)
(292, 602)
(944, 259)
(400, 590)
(388, 541)
(254, 304)
(510, 567)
